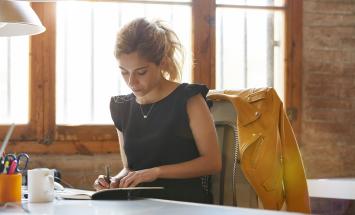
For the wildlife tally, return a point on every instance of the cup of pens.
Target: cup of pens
(11, 167)
(10, 172)
(10, 187)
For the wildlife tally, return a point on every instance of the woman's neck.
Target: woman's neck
(157, 93)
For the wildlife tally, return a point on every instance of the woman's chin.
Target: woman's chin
(138, 93)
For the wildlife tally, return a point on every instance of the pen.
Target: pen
(7, 138)
(12, 168)
(1, 164)
(6, 165)
(107, 177)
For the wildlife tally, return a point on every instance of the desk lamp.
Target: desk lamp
(18, 18)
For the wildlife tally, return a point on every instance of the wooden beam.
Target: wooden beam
(293, 76)
(43, 73)
(64, 147)
(203, 42)
(86, 133)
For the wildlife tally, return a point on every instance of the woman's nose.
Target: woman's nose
(132, 79)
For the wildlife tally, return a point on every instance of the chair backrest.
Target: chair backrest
(230, 187)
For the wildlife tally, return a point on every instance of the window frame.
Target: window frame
(42, 128)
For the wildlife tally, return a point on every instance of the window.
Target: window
(251, 3)
(72, 71)
(250, 44)
(85, 43)
(14, 62)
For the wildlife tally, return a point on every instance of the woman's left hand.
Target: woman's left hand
(134, 178)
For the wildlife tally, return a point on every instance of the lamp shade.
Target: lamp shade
(18, 18)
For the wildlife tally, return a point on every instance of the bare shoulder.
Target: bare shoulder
(196, 105)
(196, 100)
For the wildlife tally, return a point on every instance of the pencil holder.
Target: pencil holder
(10, 187)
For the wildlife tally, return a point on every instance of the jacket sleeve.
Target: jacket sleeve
(295, 184)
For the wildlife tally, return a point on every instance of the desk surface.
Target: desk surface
(337, 188)
(131, 207)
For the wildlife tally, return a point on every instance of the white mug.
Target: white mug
(40, 185)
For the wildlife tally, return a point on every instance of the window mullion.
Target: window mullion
(203, 41)
(293, 67)
(270, 54)
(245, 47)
(43, 74)
(92, 72)
(8, 77)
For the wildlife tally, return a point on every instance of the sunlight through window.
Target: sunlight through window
(249, 46)
(14, 79)
(87, 73)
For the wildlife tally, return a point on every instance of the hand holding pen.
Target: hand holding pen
(113, 182)
(103, 181)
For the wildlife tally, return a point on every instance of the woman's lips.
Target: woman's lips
(135, 90)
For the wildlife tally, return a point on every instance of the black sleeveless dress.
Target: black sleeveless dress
(164, 137)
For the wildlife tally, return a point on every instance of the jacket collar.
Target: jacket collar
(247, 113)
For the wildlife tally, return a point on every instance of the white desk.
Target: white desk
(131, 207)
(336, 188)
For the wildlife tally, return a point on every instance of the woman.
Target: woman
(165, 130)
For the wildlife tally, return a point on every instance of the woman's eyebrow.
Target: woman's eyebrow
(139, 68)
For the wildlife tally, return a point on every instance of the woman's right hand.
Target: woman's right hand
(115, 182)
(101, 183)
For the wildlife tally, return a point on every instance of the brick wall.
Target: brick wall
(79, 171)
(328, 120)
(78, 162)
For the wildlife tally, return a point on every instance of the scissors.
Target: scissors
(15, 164)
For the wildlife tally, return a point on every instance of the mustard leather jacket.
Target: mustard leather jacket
(270, 157)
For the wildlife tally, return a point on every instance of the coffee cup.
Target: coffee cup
(40, 185)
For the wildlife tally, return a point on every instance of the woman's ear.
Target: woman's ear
(164, 64)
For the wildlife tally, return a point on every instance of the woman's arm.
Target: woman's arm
(100, 183)
(204, 132)
(115, 180)
(209, 161)
(122, 152)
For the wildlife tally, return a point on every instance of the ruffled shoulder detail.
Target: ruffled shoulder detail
(194, 89)
(122, 98)
(119, 107)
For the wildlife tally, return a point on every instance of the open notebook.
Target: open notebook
(109, 194)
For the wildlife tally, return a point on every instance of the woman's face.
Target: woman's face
(139, 74)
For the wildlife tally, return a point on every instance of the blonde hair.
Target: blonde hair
(154, 41)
